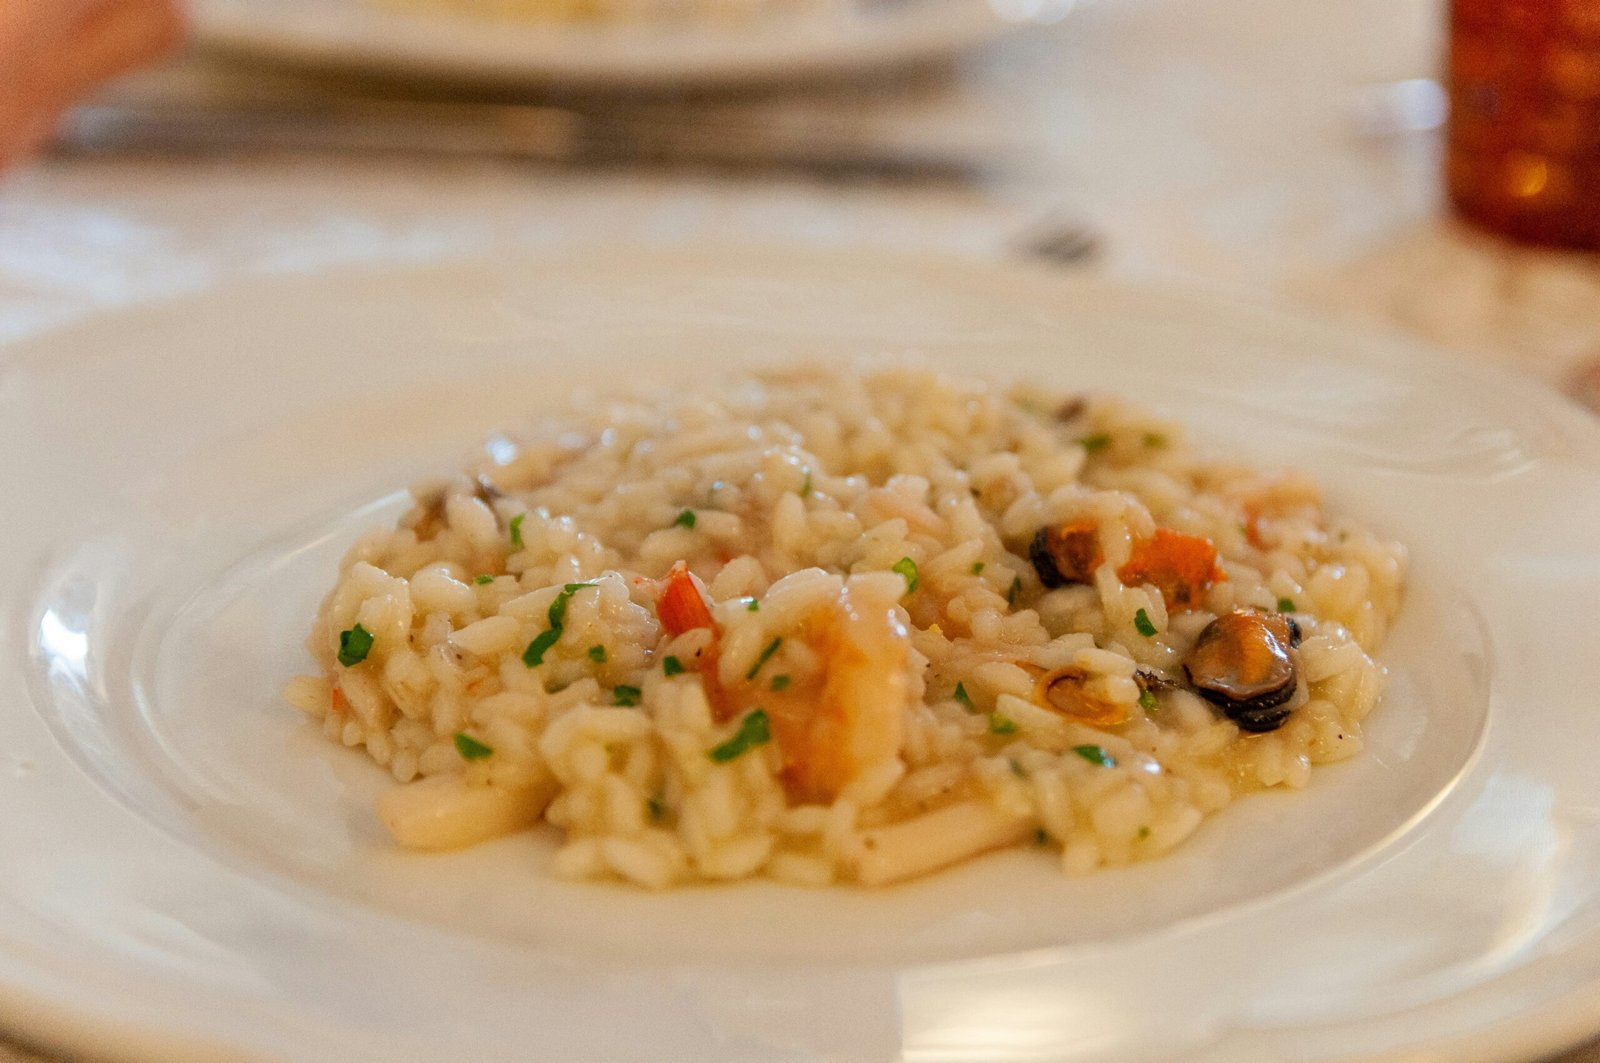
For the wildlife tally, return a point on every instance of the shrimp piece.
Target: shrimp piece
(852, 717)
(681, 603)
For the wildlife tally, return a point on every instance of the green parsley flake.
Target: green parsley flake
(753, 731)
(753, 607)
(1285, 605)
(963, 698)
(354, 645)
(1017, 769)
(626, 696)
(516, 530)
(533, 656)
(1147, 701)
(1040, 837)
(766, 655)
(597, 654)
(780, 682)
(1096, 755)
(1015, 592)
(977, 568)
(1144, 832)
(1142, 624)
(672, 666)
(1096, 443)
(685, 519)
(908, 568)
(1001, 725)
(484, 580)
(657, 808)
(1154, 440)
(470, 748)
(805, 488)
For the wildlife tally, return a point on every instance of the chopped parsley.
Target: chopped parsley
(908, 568)
(805, 488)
(1017, 769)
(1001, 725)
(470, 748)
(533, 656)
(484, 580)
(1096, 443)
(1015, 592)
(685, 519)
(977, 568)
(1147, 701)
(626, 696)
(1144, 832)
(1154, 440)
(354, 645)
(597, 654)
(1142, 624)
(672, 666)
(780, 682)
(753, 607)
(1096, 755)
(1285, 605)
(516, 530)
(753, 731)
(766, 655)
(1040, 837)
(963, 698)
(657, 807)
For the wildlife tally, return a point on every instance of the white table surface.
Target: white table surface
(1227, 143)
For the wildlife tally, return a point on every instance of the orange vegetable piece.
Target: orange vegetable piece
(1180, 566)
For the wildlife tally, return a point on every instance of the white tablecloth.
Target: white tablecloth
(1244, 144)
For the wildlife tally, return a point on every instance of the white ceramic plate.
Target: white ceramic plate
(191, 872)
(364, 35)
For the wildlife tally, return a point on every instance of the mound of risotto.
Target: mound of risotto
(848, 626)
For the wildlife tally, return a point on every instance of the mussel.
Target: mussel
(1242, 663)
(1066, 553)
(1064, 691)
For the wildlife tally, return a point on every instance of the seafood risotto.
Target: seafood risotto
(851, 626)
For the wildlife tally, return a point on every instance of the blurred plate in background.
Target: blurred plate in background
(760, 46)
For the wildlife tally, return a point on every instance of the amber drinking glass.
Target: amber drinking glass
(1524, 141)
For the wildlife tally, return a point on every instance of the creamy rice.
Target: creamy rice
(857, 673)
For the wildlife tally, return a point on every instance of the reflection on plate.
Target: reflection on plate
(189, 869)
(784, 43)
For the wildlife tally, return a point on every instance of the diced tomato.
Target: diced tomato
(1180, 566)
(682, 605)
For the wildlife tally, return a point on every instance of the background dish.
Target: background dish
(355, 34)
(176, 887)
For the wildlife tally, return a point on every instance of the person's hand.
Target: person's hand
(52, 52)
